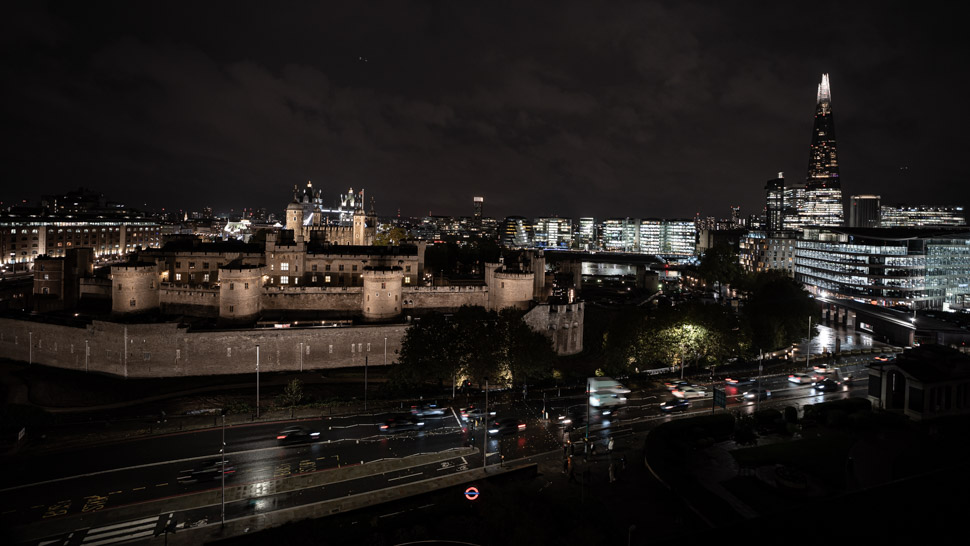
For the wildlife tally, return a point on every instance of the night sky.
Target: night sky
(645, 109)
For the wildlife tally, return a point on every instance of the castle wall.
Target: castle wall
(176, 299)
(164, 350)
(312, 298)
(444, 298)
(561, 323)
(381, 297)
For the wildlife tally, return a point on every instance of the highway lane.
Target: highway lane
(353, 441)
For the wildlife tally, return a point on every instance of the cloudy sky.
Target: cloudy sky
(641, 109)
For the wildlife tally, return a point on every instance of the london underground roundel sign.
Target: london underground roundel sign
(471, 493)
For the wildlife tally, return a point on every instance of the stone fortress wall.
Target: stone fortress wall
(167, 350)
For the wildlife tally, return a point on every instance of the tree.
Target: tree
(720, 265)
(528, 354)
(391, 237)
(292, 393)
(777, 309)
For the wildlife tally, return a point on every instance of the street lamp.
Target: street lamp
(301, 356)
(223, 451)
(257, 380)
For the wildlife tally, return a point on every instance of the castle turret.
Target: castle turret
(134, 287)
(240, 290)
(294, 220)
(382, 292)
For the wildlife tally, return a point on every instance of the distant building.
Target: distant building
(823, 189)
(669, 238)
(775, 203)
(588, 235)
(864, 211)
(479, 203)
(553, 233)
(763, 250)
(921, 216)
(517, 232)
(620, 234)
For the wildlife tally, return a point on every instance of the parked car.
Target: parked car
(689, 392)
(828, 385)
(509, 425)
(400, 423)
(207, 471)
(740, 381)
(757, 394)
(297, 435)
(675, 404)
(800, 378)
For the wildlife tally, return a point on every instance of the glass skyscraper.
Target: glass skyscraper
(823, 189)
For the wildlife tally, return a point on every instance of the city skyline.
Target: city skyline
(651, 110)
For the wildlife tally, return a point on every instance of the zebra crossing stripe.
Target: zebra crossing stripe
(121, 532)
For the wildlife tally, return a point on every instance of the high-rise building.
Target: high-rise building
(668, 237)
(921, 216)
(823, 189)
(517, 232)
(553, 232)
(479, 205)
(864, 211)
(587, 233)
(620, 234)
(775, 203)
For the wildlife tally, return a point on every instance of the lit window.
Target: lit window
(285, 266)
(284, 280)
(178, 276)
(326, 279)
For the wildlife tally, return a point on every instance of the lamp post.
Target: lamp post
(809, 342)
(87, 351)
(485, 431)
(257, 380)
(588, 393)
(30, 348)
(301, 356)
(385, 350)
(223, 451)
(365, 381)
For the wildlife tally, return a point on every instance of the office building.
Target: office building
(587, 236)
(553, 232)
(517, 232)
(669, 238)
(864, 211)
(620, 234)
(917, 268)
(765, 250)
(921, 216)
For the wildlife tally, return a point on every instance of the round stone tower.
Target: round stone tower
(510, 289)
(294, 220)
(382, 292)
(134, 287)
(240, 292)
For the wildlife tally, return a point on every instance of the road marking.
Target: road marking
(161, 484)
(405, 476)
(124, 524)
(138, 489)
(114, 492)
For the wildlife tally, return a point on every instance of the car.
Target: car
(827, 385)
(472, 413)
(297, 435)
(428, 410)
(800, 378)
(823, 368)
(675, 404)
(740, 381)
(757, 394)
(885, 358)
(676, 384)
(208, 471)
(400, 423)
(689, 392)
(509, 425)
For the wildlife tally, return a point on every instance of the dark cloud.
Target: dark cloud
(622, 109)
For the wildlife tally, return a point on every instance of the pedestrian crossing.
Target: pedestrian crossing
(118, 533)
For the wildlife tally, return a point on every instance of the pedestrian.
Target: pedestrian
(593, 452)
(609, 446)
(565, 465)
(612, 476)
(572, 449)
(565, 451)
(572, 469)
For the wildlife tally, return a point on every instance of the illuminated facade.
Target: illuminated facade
(24, 239)
(921, 216)
(920, 268)
(822, 205)
(761, 251)
(620, 234)
(667, 237)
(553, 232)
(587, 234)
(517, 232)
(775, 203)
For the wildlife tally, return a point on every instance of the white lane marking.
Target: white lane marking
(405, 476)
(456, 416)
(96, 534)
(124, 538)
(125, 524)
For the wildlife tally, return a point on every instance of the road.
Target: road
(80, 493)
